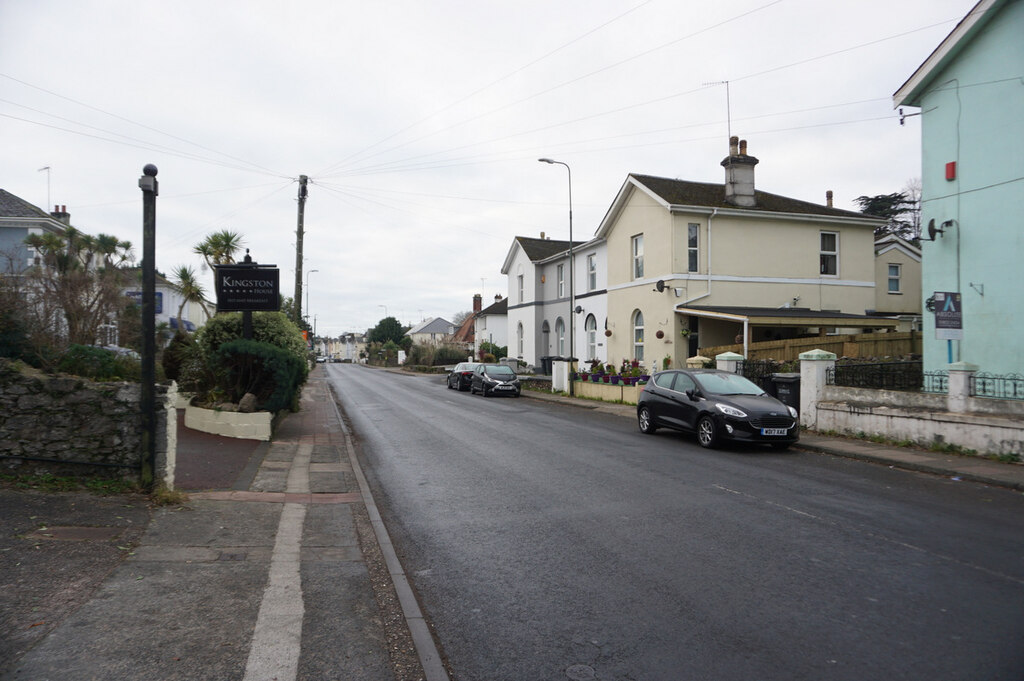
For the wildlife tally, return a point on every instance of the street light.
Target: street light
(307, 290)
(572, 287)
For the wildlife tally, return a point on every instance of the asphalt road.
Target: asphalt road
(551, 542)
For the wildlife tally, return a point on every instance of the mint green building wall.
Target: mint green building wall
(973, 114)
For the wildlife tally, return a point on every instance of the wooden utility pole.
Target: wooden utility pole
(147, 407)
(297, 300)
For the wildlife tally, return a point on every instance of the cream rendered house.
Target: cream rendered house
(898, 281)
(694, 264)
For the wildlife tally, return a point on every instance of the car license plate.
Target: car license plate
(504, 387)
(773, 431)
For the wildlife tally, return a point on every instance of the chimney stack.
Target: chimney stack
(477, 302)
(497, 297)
(61, 213)
(828, 198)
(739, 175)
(542, 236)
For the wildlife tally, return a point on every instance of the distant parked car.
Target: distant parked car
(494, 379)
(321, 359)
(460, 376)
(717, 406)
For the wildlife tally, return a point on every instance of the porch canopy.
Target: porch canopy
(749, 318)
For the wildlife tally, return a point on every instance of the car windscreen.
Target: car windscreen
(500, 372)
(727, 384)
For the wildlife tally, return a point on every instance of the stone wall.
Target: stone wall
(69, 425)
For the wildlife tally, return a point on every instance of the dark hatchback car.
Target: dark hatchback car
(460, 376)
(717, 406)
(494, 379)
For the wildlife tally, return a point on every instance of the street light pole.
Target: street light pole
(572, 287)
(307, 289)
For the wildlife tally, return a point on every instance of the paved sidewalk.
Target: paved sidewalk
(272, 571)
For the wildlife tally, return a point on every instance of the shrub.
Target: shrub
(492, 349)
(99, 364)
(274, 375)
(175, 354)
(450, 354)
(203, 370)
(267, 327)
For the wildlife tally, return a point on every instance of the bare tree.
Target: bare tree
(79, 276)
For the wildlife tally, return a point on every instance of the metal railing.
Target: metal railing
(759, 371)
(908, 376)
(1003, 387)
(936, 382)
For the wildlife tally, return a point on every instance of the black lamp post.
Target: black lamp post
(572, 287)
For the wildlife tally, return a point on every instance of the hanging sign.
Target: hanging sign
(247, 288)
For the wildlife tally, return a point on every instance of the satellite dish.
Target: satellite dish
(660, 286)
(933, 230)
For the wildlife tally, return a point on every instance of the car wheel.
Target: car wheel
(450, 384)
(646, 421)
(707, 432)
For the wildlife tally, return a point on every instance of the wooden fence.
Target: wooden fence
(863, 345)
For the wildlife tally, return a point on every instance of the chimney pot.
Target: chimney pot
(828, 198)
(743, 147)
(733, 141)
(542, 236)
(497, 297)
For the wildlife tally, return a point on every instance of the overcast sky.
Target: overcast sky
(420, 122)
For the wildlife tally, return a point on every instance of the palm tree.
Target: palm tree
(219, 248)
(187, 284)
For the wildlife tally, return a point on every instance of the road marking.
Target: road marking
(277, 638)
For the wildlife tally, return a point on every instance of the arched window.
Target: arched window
(545, 337)
(638, 335)
(560, 337)
(519, 339)
(591, 327)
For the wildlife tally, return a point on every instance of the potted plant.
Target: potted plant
(615, 379)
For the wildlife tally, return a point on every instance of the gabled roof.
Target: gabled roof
(433, 325)
(467, 332)
(537, 250)
(891, 242)
(12, 206)
(499, 307)
(910, 92)
(707, 196)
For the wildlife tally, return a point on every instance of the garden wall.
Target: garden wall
(66, 425)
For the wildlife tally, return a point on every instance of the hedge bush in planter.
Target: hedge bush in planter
(274, 375)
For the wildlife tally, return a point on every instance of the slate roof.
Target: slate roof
(541, 249)
(499, 307)
(12, 206)
(435, 325)
(711, 195)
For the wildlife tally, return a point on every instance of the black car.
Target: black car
(494, 379)
(459, 377)
(717, 406)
